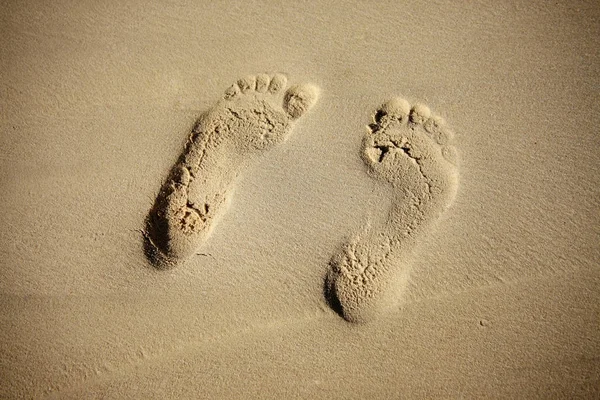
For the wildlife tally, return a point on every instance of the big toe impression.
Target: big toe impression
(299, 99)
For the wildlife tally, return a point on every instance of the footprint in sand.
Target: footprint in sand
(408, 148)
(256, 114)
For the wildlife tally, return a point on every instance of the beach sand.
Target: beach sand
(317, 277)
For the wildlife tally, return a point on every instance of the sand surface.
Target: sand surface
(97, 102)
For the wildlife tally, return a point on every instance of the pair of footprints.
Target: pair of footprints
(405, 146)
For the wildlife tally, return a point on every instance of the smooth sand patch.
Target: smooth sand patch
(98, 100)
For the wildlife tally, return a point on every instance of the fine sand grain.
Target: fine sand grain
(414, 215)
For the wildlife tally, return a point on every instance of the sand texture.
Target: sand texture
(299, 200)
(223, 141)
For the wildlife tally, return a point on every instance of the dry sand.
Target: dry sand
(496, 295)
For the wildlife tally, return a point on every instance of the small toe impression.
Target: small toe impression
(450, 154)
(299, 99)
(262, 83)
(419, 114)
(434, 124)
(247, 83)
(277, 83)
(443, 136)
(436, 127)
(232, 92)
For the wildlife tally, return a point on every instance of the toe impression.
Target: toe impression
(299, 99)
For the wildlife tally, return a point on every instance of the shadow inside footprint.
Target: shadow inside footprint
(330, 296)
